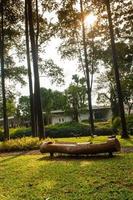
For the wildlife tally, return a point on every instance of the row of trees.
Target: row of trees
(72, 101)
(23, 24)
(91, 46)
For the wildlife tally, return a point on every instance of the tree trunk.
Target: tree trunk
(112, 145)
(38, 103)
(33, 122)
(124, 133)
(91, 120)
(5, 118)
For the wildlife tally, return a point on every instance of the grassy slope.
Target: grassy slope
(38, 178)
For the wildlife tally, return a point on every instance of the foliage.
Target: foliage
(76, 97)
(53, 71)
(72, 129)
(116, 123)
(30, 143)
(52, 100)
(24, 108)
(20, 144)
(11, 107)
(13, 34)
(130, 121)
(126, 71)
(65, 130)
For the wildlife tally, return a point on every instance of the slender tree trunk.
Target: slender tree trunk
(87, 73)
(5, 118)
(124, 133)
(36, 72)
(35, 88)
(33, 122)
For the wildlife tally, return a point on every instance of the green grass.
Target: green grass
(37, 177)
(124, 142)
(29, 143)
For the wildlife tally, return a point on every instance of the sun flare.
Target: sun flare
(90, 20)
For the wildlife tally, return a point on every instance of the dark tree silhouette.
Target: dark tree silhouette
(6, 128)
(116, 71)
(33, 122)
(87, 72)
(39, 115)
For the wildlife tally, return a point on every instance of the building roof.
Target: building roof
(94, 108)
(11, 117)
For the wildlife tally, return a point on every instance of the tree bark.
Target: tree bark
(33, 122)
(112, 145)
(124, 133)
(5, 118)
(38, 103)
(91, 120)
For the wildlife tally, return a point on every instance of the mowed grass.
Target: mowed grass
(98, 139)
(37, 177)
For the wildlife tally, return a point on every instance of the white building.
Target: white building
(100, 113)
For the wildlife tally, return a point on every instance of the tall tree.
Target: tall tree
(24, 108)
(78, 42)
(33, 121)
(106, 85)
(76, 97)
(87, 70)
(116, 71)
(37, 96)
(6, 128)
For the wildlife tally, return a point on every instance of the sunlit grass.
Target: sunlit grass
(37, 177)
(98, 139)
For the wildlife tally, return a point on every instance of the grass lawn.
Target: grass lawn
(37, 177)
(98, 139)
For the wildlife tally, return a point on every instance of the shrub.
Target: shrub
(20, 144)
(1, 135)
(71, 129)
(116, 123)
(103, 125)
(20, 132)
(130, 121)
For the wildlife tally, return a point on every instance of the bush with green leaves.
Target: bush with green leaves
(71, 129)
(130, 121)
(116, 123)
(23, 144)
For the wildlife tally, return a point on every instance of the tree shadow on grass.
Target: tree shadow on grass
(7, 156)
(64, 177)
(63, 157)
(6, 159)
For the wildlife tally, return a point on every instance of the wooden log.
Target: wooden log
(112, 145)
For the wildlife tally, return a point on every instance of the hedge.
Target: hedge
(61, 131)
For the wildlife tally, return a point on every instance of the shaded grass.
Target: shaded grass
(37, 177)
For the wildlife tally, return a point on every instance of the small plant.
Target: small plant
(116, 123)
(25, 143)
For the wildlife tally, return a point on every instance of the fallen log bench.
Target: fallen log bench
(112, 145)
